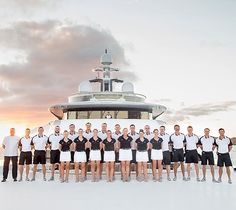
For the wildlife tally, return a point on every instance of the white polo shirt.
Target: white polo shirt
(223, 144)
(11, 146)
(88, 135)
(102, 135)
(149, 136)
(116, 135)
(134, 136)
(39, 142)
(54, 139)
(207, 143)
(25, 144)
(177, 140)
(191, 142)
(166, 140)
(73, 136)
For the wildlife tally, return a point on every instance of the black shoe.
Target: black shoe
(15, 180)
(4, 180)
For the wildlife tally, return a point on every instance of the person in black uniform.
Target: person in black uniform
(156, 155)
(80, 144)
(125, 154)
(142, 156)
(109, 155)
(65, 146)
(95, 145)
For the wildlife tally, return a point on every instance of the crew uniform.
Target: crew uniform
(165, 148)
(65, 155)
(134, 136)
(191, 148)
(125, 153)
(88, 135)
(95, 153)
(178, 144)
(142, 153)
(207, 150)
(156, 152)
(72, 136)
(25, 154)
(80, 152)
(53, 141)
(116, 135)
(39, 143)
(223, 151)
(109, 153)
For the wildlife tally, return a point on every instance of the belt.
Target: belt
(66, 151)
(142, 150)
(126, 148)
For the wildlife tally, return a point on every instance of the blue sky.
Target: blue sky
(184, 50)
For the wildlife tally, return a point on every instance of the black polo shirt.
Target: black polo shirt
(80, 144)
(125, 143)
(109, 145)
(156, 144)
(141, 144)
(95, 144)
(65, 145)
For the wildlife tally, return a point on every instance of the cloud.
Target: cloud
(28, 4)
(58, 57)
(198, 110)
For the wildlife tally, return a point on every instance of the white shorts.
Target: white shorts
(109, 156)
(125, 155)
(142, 156)
(65, 156)
(156, 154)
(80, 157)
(95, 155)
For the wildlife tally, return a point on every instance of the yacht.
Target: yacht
(98, 102)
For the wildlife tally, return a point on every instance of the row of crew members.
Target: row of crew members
(122, 145)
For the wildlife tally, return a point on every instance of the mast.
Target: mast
(106, 81)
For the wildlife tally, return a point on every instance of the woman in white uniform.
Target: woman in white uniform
(142, 156)
(80, 158)
(95, 145)
(125, 154)
(156, 155)
(65, 146)
(109, 155)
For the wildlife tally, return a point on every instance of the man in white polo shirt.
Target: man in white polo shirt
(39, 143)
(115, 136)
(178, 140)
(207, 144)
(191, 152)
(53, 141)
(88, 134)
(148, 135)
(166, 150)
(224, 146)
(10, 146)
(102, 134)
(25, 154)
(134, 135)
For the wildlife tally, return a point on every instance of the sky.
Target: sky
(180, 54)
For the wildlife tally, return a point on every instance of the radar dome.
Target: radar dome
(128, 87)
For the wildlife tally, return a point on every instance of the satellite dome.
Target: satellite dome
(85, 86)
(128, 87)
(106, 58)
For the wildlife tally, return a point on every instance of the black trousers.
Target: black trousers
(6, 164)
